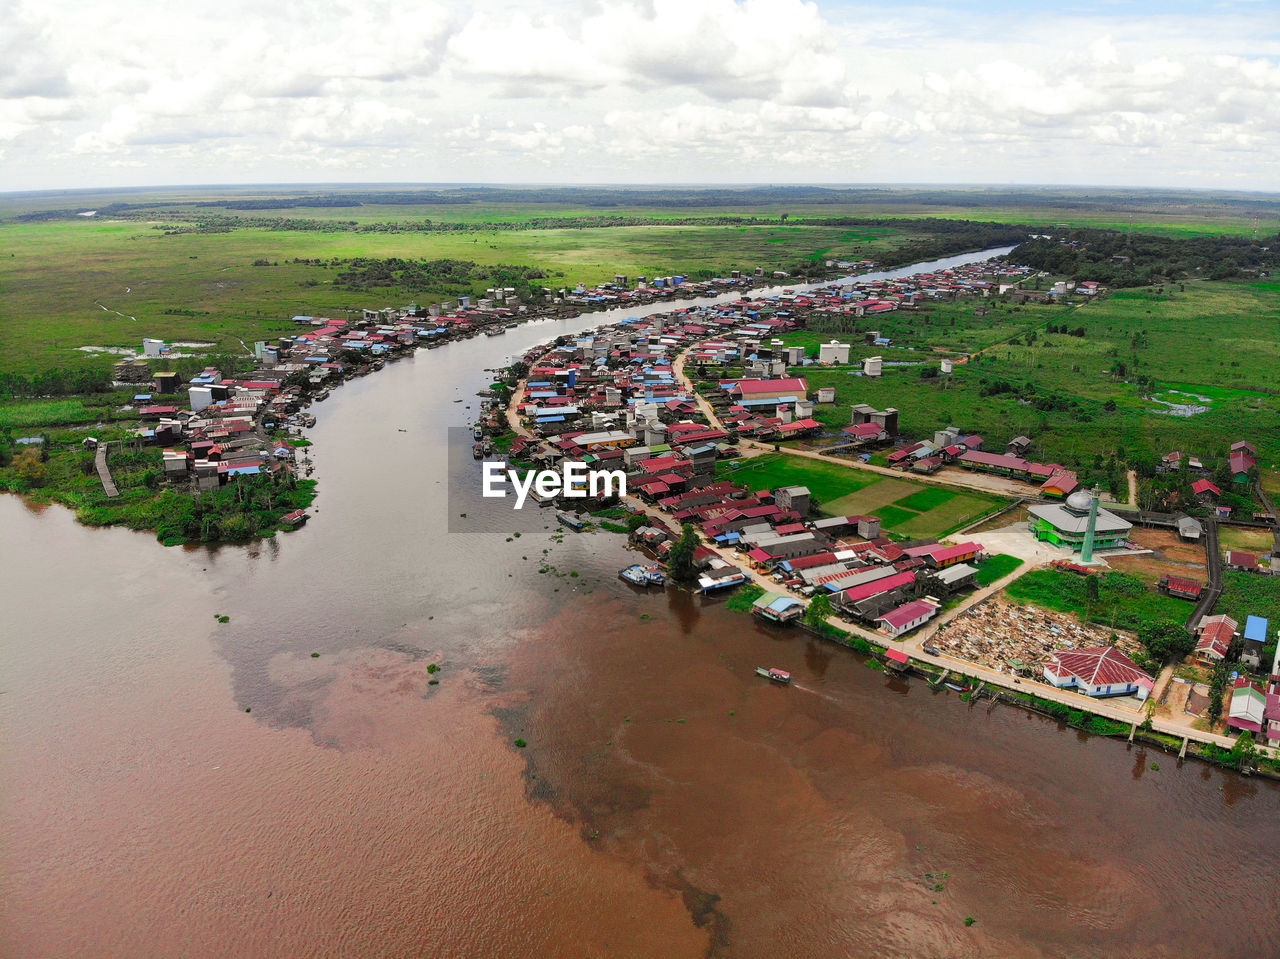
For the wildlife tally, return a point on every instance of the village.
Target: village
(619, 398)
(915, 559)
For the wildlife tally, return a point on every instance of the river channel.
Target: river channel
(293, 783)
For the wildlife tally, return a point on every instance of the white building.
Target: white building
(1098, 671)
(833, 352)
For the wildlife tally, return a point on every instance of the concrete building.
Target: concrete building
(833, 352)
(793, 497)
(1077, 523)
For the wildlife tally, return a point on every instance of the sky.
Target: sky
(135, 92)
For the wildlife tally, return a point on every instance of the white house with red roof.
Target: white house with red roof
(907, 617)
(1098, 671)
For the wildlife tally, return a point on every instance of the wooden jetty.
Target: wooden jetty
(104, 474)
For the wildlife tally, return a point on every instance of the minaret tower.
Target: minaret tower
(1086, 551)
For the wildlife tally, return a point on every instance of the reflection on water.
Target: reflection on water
(300, 780)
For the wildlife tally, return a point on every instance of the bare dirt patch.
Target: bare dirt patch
(997, 630)
(1011, 518)
(1167, 545)
(1150, 567)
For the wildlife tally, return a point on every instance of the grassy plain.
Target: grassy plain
(1173, 213)
(61, 280)
(1251, 594)
(1220, 340)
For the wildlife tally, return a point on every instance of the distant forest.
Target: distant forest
(1117, 201)
(1123, 260)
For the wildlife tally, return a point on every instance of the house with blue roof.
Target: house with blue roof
(777, 608)
(1256, 629)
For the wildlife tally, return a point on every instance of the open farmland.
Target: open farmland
(1164, 212)
(1220, 338)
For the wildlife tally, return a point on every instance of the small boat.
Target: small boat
(478, 433)
(495, 332)
(477, 451)
(322, 395)
(646, 576)
(488, 447)
(774, 674)
(958, 688)
(571, 521)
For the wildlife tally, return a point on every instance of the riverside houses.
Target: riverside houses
(611, 396)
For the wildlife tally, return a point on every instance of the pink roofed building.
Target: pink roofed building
(907, 617)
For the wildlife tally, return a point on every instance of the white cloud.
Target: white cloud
(634, 90)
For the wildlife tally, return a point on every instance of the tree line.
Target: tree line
(1120, 260)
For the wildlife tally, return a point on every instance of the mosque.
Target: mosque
(1079, 524)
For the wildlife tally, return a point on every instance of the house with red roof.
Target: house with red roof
(1181, 587)
(1060, 484)
(1246, 562)
(1098, 671)
(793, 386)
(1205, 490)
(1215, 636)
(908, 616)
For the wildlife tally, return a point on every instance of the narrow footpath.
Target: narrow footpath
(104, 474)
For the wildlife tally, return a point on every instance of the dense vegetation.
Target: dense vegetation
(450, 277)
(61, 471)
(1121, 260)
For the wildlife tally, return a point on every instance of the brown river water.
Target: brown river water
(173, 786)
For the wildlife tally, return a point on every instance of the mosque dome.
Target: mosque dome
(1079, 501)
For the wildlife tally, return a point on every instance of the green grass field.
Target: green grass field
(60, 280)
(1219, 340)
(22, 414)
(1124, 601)
(1172, 213)
(1251, 594)
(996, 568)
(827, 482)
(906, 508)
